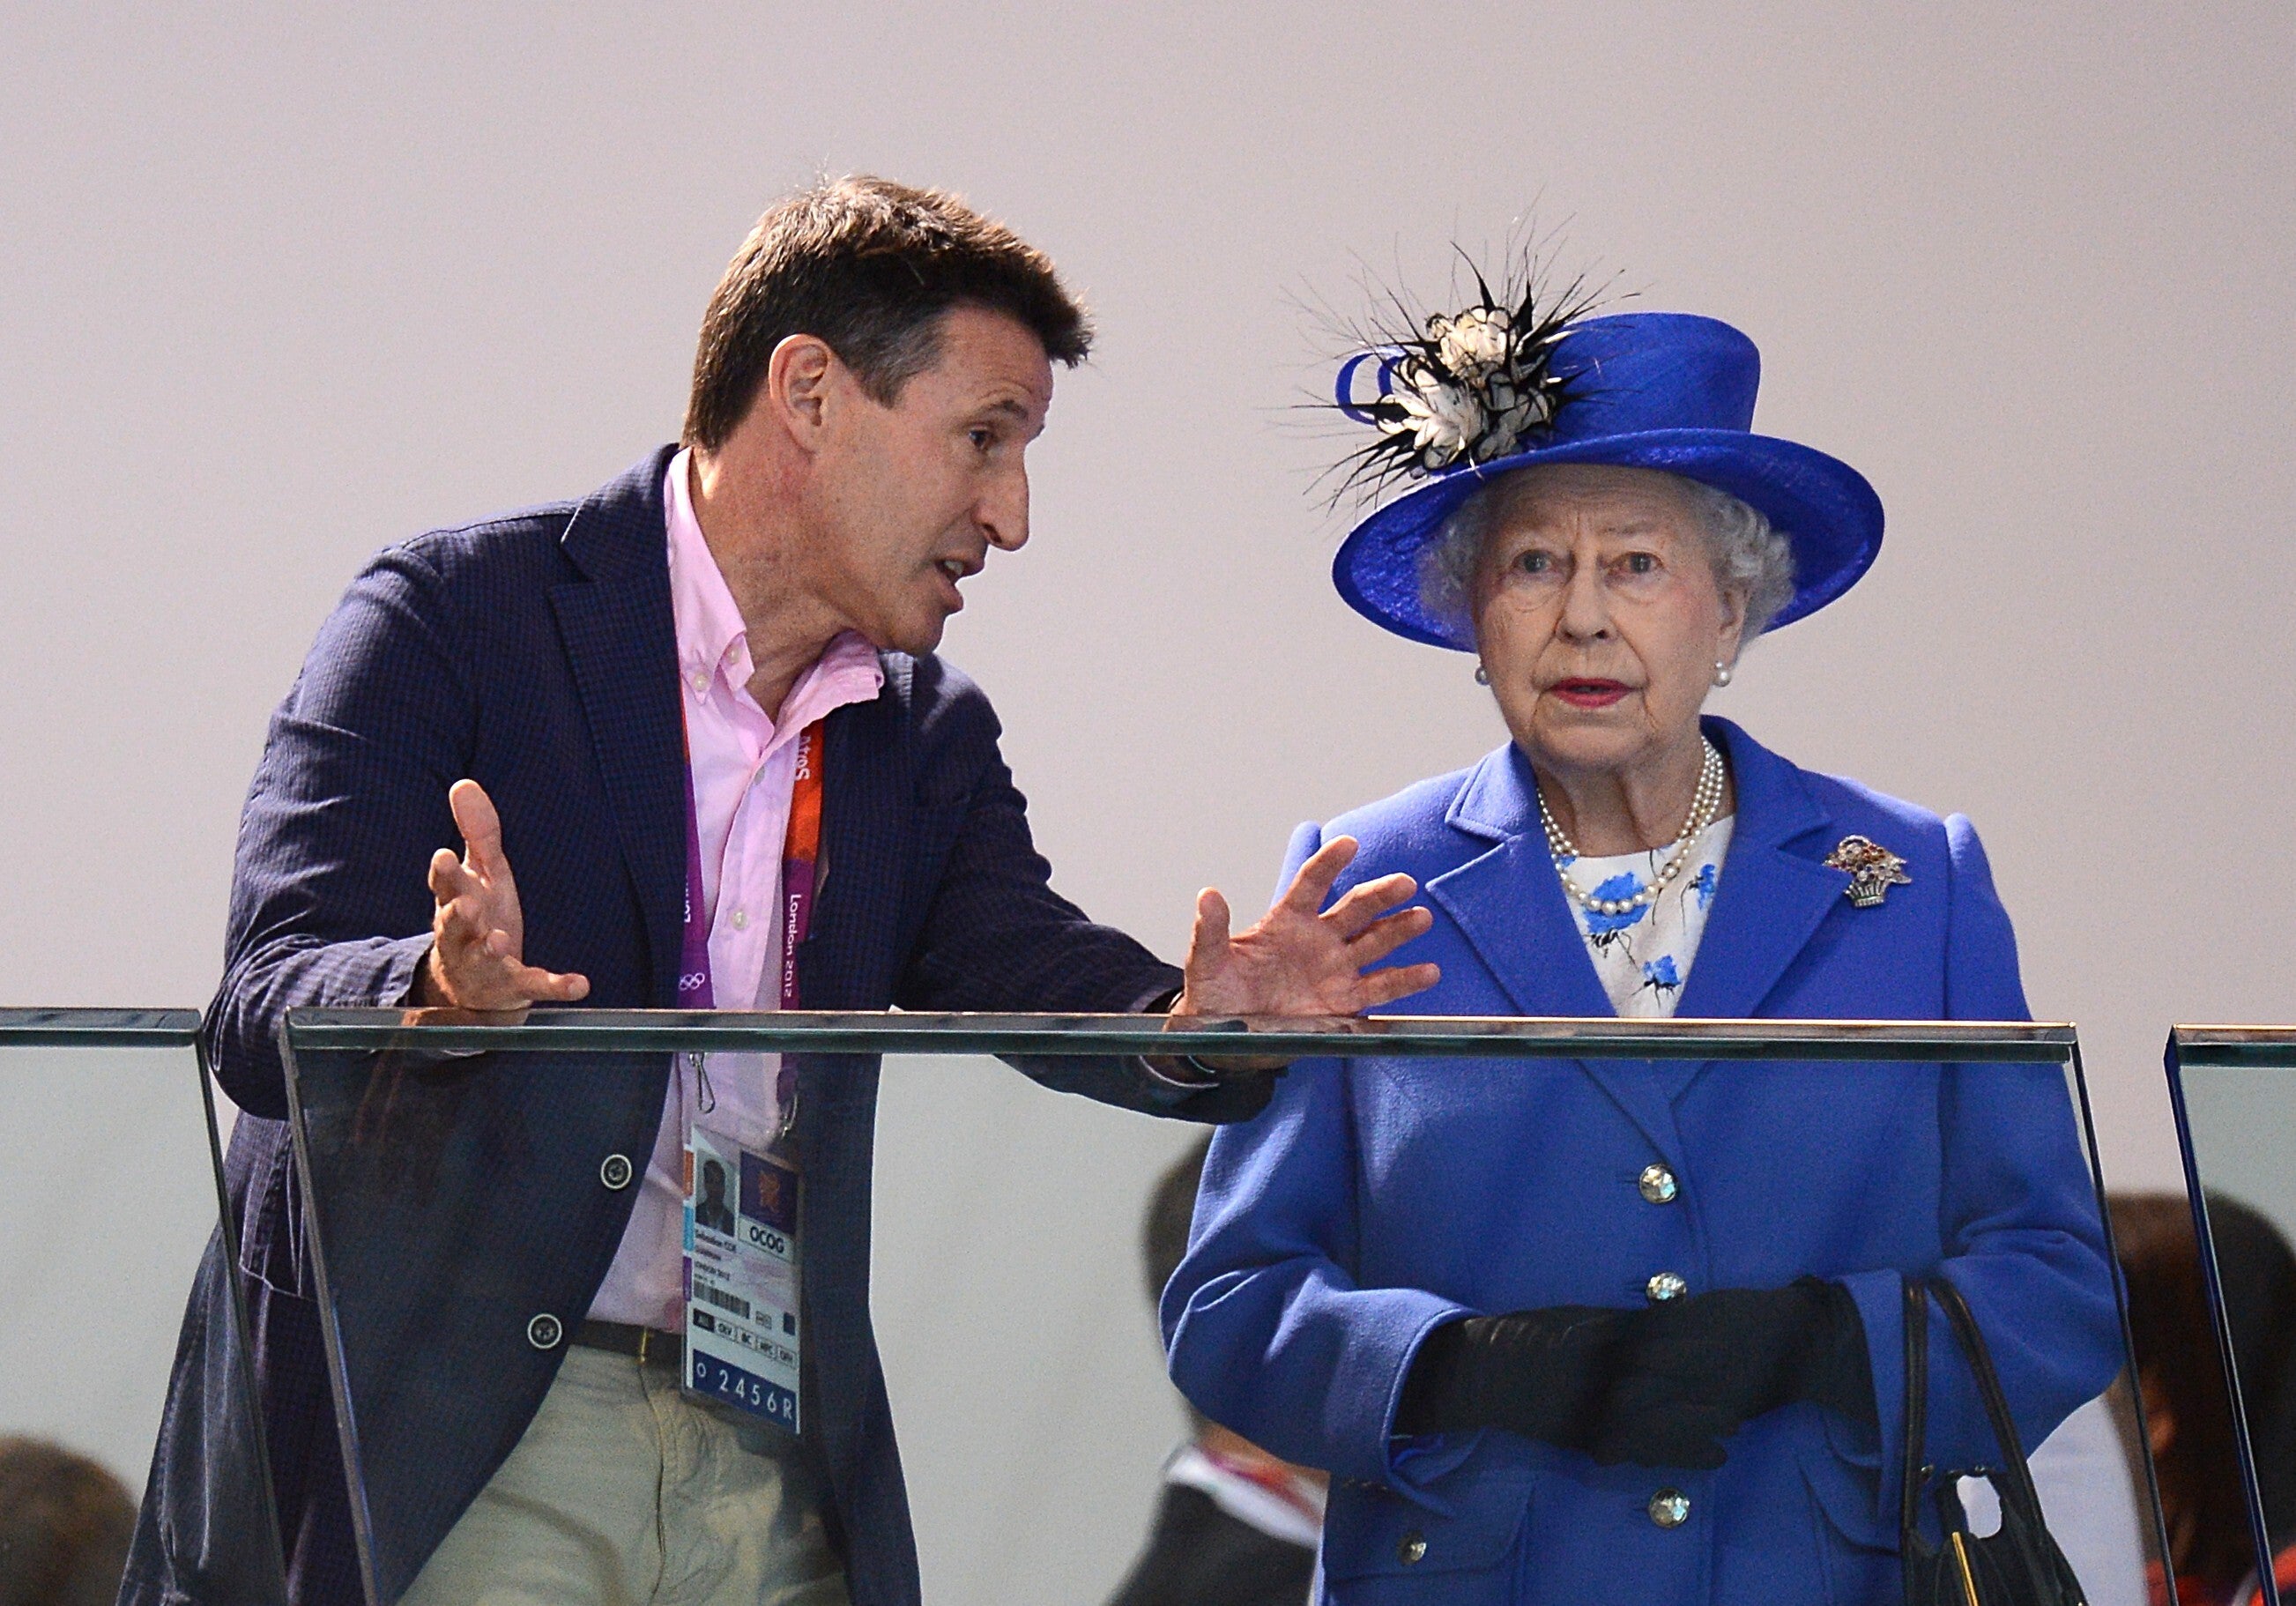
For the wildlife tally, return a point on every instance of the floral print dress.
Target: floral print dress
(1643, 956)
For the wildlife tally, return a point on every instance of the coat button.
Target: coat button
(545, 1331)
(1669, 1508)
(1657, 1185)
(1412, 1548)
(615, 1173)
(1664, 1286)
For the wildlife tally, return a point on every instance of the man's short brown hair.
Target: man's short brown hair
(868, 266)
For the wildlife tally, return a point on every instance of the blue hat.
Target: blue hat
(1647, 391)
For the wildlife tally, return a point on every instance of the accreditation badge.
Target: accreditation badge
(741, 1225)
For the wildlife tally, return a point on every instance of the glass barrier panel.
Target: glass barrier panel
(1502, 1305)
(2234, 1091)
(125, 1375)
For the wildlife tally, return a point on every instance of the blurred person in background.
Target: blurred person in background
(2187, 1420)
(64, 1527)
(1234, 1526)
(1602, 1331)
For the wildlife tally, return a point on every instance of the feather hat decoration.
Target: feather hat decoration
(1461, 387)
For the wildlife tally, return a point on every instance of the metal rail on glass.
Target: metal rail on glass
(2226, 1048)
(1436, 1037)
(2272, 1047)
(99, 1028)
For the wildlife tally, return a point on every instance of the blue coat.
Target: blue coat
(1376, 1199)
(538, 653)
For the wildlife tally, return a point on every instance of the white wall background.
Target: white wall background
(278, 286)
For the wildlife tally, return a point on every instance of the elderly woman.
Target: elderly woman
(1602, 1332)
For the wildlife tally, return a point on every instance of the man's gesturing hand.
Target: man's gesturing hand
(1297, 961)
(478, 934)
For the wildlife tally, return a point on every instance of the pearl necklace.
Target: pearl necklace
(1703, 807)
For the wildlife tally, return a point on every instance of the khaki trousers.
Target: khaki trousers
(624, 1492)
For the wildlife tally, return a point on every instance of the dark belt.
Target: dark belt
(647, 1345)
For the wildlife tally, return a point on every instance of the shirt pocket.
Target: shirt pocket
(1381, 1548)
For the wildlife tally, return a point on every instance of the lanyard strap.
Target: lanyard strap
(801, 861)
(801, 856)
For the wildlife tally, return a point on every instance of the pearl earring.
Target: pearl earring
(1721, 675)
(1482, 675)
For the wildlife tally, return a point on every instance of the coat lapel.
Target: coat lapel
(1508, 903)
(621, 642)
(1774, 892)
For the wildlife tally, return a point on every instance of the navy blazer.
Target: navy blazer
(1376, 1199)
(537, 653)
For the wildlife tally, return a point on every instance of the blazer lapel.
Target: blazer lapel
(621, 642)
(1509, 905)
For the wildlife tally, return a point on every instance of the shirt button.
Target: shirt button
(1657, 1185)
(1412, 1548)
(701, 684)
(1669, 1508)
(545, 1330)
(741, 920)
(615, 1173)
(1664, 1286)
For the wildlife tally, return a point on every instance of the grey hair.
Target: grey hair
(1750, 558)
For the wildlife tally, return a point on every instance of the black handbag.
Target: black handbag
(2017, 1565)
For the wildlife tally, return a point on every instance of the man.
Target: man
(651, 701)
(1234, 1526)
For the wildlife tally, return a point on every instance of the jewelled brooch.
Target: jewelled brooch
(1872, 870)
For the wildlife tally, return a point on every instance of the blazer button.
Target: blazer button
(545, 1331)
(1657, 1185)
(1669, 1508)
(615, 1173)
(1412, 1548)
(1664, 1286)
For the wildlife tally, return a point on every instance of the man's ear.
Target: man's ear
(797, 382)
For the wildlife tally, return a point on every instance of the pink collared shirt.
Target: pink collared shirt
(744, 768)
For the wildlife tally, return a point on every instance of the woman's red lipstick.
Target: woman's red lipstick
(1590, 694)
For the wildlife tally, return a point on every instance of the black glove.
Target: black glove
(1659, 1387)
(1702, 1367)
(1546, 1374)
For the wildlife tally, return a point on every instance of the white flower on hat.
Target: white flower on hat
(1443, 418)
(1515, 410)
(1463, 387)
(1477, 342)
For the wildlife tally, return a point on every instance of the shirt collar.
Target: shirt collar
(712, 640)
(710, 634)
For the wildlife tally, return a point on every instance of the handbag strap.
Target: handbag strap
(1917, 1409)
(1967, 1334)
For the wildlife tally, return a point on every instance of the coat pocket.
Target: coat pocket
(1379, 1547)
(1858, 1557)
(271, 1242)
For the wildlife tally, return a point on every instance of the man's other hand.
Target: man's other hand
(478, 934)
(1302, 959)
